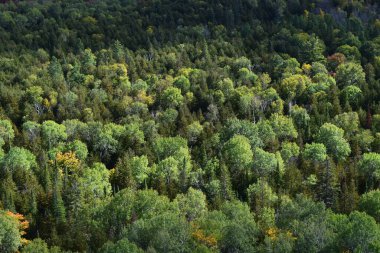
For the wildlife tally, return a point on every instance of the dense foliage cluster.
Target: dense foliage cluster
(190, 126)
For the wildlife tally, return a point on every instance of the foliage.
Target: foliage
(189, 126)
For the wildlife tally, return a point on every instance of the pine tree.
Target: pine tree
(59, 210)
(327, 186)
(8, 193)
(225, 183)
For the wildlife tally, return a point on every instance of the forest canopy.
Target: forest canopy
(232, 126)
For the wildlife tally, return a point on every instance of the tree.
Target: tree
(376, 122)
(277, 241)
(52, 133)
(166, 232)
(19, 159)
(121, 205)
(315, 152)
(293, 87)
(350, 74)
(194, 130)
(332, 137)
(168, 146)
(238, 154)
(226, 86)
(311, 48)
(351, 94)
(183, 83)
(134, 135)
(55, 71)
(106, 139)
(264, 163)
(95, 185)
(79, 148)
(266, 132)
(6, 131)
(174, 158)
(300, 118)
(261, 196)
(306, 221)
(76, 129)
(360, 233)
(369, 166)
(88, 61)
(364, 139)
(36, 246)
(192, 204)
(171, 97)
(118, 52)
(31, 131)
(246, 77)
(289, 151)
(243, 127)
(239, 234)
(121, 246)
(370, 204)
(352, 53)
(168, 169)
(10, 237)
(283, 127)
(140, 169)
(348, 121)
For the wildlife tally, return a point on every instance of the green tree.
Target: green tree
(95, 185)
(171, 97)
(332, 137)
(352, 53)
(242, 127)
(6, 131)
(31, 131)
(350, 74)
(240, 232)
(238, 154)
(10, 239)
(369, 166)
(168, 169)
(300, 118)
(140, 168)
(36, 246)
(88, 61)
(106, 139)
(52, 133)
(134, 135)
(264, 163)
(266, 132)
(168, 146)
(306, 221)
(194, 131)
(261, 196)
(311, 48)
(315, 152)
(55, 72)
(192, 204)
(289, 151)
(19, 159)
(293, 87)
(183, 83)
(283, 127)
(166, 232)
(370, 204)
(79, 148)
(120, 246)
(351, 94)
(348, 121)
(360, 233)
